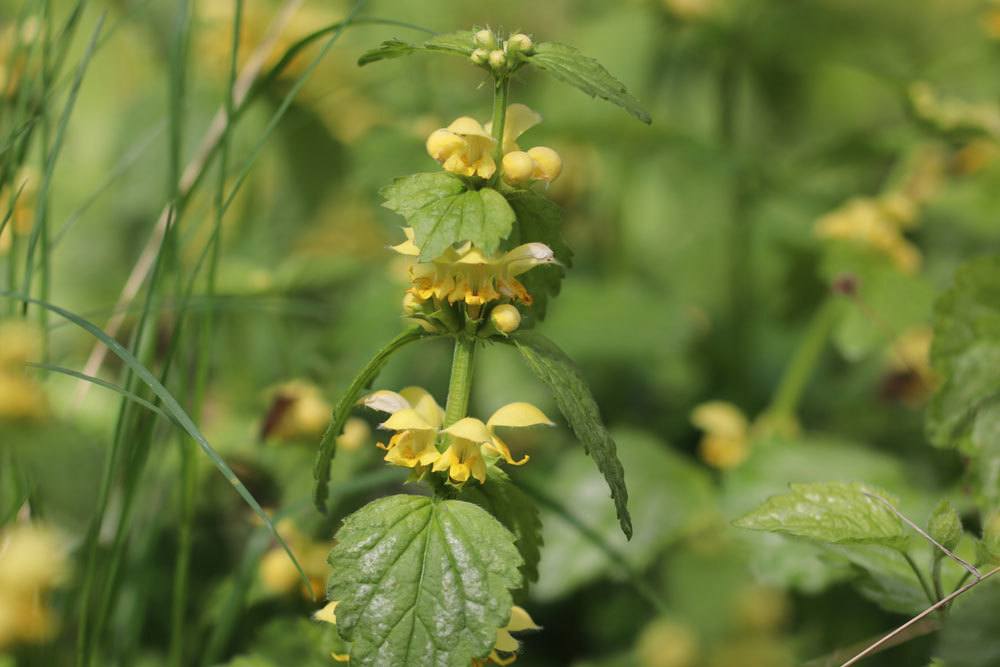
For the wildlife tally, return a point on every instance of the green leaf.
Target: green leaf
(671, 493)
(575, 401)
(834, 512)
(570, 66)
(421, 581)
(341, 411)
(442, 212)
(516, 511)
(965, 354)
(454, 43)
(971, 635)
(539, 220)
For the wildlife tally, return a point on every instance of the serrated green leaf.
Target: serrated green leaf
(965, 354)
(442, 212)
(421, 581)
(517, 512)
(570, 66)
(834, 512)
(575, 401)
(539, 220)
(341, 411)
(453, 43)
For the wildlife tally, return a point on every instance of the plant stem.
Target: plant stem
(936, 575)
(460, 384)
(793, 382)
(501, 89)
(920, 577)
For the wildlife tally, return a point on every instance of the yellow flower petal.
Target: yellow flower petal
(470, 429)
(441, 144)
(386, 401)
(720, 418)
(521, 620)
(407, 247)
(505, 642)
(548, 164)
(468, 126)
(327, 614)
(518, 415)
(517, 167)
(527, 256)
(406, 420)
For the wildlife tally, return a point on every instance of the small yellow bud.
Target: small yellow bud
(517, 167)
(498, 59)
(506, 318)
(485, 39)
(548, 164)
(480, 56)
(520, 43)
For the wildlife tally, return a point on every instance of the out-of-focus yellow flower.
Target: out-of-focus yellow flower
(466, 274)
(21, 397)
(725, 443)
(328, 614)
(951, 114)
(770, 651)
(32, 563)
(976, 155)
(876, 224)
(991, 20)
(356, 434)
(667, 643)
(690, 10)
(465, 148)
(505, 649)
(512, 415)
(278, 573)
(298, 412)
(22, 216)
(15, 48)
(761, 609)
(910, 378)
(416, 417)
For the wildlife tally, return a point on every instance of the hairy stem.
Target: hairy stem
(460, 384)
(501, 89)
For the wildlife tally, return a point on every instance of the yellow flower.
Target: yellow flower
(462, 459)
(416, 417)
(877, 224)
(909, 376)
(466, 274)
(465, 148)
(15, 49)
(277, 571)
(298, 412)
(513, 415)
(32, 562)
(725, 443)
(667, 643)
(21, 396)
(505, 649)
(328, 614)
(25, 188)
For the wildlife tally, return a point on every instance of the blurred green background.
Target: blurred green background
(700, 274)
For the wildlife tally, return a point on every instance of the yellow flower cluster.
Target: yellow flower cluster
(467, 275)
(952, 114)
(22, 218)
(503, 653)
(466, 146)
(726, 440)
(32, 563)
(877, 224)
(418, 421)
(21, 397)
(278, 573)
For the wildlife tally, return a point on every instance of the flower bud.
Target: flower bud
(443, 143)
(506, 318)
(498, 59)
(485, 39)
(480, 56)
(520, 43)
(548, 164)
(945, 525)
(517, 167)
(411, 304)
